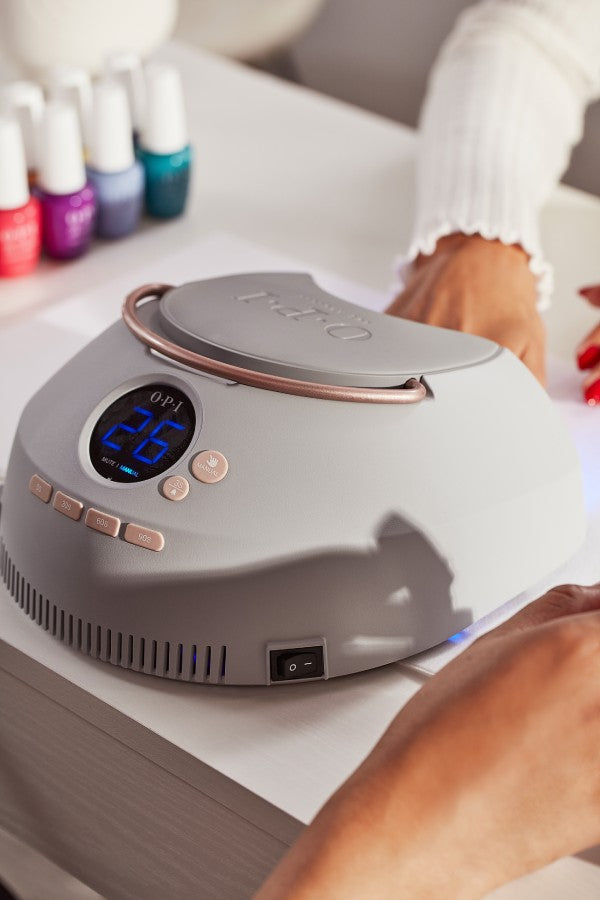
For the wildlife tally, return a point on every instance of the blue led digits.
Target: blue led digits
(127, 428)
(137, 453)
(111, 431)
(142, 433)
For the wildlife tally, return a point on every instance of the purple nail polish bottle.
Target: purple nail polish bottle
(68, 200)
(117, 177)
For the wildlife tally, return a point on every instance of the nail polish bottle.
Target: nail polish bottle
(20, 220)
(25, 101)
(113, 170)
(68, 200)
(72, 84)
(126, 68)
(164, 148)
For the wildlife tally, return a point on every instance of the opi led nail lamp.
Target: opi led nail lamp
(249, 481)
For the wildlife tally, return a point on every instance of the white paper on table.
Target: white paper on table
(32, 350)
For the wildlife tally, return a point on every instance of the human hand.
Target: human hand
(588, 352)
(489, 772)
(480, 286)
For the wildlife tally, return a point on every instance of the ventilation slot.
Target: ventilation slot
(180, 661)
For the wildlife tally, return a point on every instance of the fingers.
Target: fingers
(588, 351)
(591, 293)
(561, 601)
(591, 387)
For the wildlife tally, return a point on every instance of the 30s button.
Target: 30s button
(68, 506)
(144, 537)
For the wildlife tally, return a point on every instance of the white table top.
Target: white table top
(328, 184)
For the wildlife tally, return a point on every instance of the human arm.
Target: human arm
(489, 772)
(504, 107)
(480, 286)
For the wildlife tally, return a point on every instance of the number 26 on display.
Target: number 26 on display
(146, 442)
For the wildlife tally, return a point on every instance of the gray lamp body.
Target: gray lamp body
(360, 533)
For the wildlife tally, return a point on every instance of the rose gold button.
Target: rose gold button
(209, 466)
(144, 537)
(67, 506)
(175, 488)
(40, 488)
(101, 521)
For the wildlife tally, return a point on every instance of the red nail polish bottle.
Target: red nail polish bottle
(20, 216)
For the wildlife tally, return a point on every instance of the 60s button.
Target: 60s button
(103, 522)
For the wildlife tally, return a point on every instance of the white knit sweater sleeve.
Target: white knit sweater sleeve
(504, 107)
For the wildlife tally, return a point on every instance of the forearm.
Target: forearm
(374, 846)
(399, 827)
(505, 106)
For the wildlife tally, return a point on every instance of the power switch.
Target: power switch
(296, 663)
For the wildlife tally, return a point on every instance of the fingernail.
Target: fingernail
(589, 290)
(592, 393)
(588, 357)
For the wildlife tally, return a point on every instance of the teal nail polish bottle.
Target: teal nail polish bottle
(164, 149)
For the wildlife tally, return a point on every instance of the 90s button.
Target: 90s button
(68, 506)
(40, 488)
(144, 537)
(103, 522)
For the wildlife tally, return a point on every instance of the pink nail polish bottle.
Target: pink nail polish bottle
(68, 200)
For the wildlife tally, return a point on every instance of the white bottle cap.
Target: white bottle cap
(127, 68)
(25, 100)
(111, 143)
(165, 128)
(14, 190)
(73, 84)
(62, 170)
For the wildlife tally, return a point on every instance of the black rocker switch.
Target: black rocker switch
(302, 662)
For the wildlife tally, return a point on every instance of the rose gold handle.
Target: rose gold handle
(411, 392)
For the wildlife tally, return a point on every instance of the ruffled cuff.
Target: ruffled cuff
(424, 243)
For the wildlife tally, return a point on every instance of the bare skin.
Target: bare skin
(479, 286)
(488, 773)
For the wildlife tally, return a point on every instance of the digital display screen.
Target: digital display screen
(142, 433)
